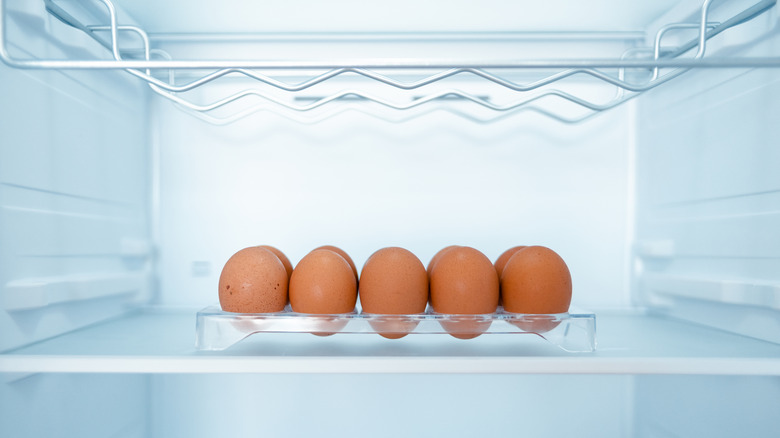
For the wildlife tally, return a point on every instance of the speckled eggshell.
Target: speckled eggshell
(323, 283)
(393, 282)
(536, 280)
(253, 280)
(464, 282)
(436, 258)
(282, 258)
(344, 255)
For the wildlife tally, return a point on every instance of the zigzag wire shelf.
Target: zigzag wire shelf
(650, 59)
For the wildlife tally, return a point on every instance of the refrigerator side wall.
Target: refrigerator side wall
(708, 191)
(74, 245)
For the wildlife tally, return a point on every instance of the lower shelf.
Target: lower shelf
(159, 341)
(572, 332)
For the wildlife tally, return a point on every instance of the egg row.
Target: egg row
(393, 281)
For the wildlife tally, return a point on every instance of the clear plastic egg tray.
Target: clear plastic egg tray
(572, 332)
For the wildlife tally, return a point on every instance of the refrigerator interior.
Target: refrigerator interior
(119, 207)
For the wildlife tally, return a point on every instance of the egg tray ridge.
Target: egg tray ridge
(572, 331)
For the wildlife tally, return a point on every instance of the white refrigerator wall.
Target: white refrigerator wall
(129, 406)
(389, 406)
(463, 405)
(76, 405)
(362, 183)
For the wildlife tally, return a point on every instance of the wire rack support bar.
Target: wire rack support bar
(717, 62)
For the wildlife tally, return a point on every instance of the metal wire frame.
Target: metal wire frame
(205, 108)
(757, 9)
(169, 89)
(700, 42)
(595, 107)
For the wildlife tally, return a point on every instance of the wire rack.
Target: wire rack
(637, 70)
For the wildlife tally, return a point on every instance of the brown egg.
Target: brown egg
(464, 282)
(504, 257)
(436, 258)
(536, 280)
(500, 263)
(393, 282)
(343, 254)
(323, 283)
(253, 281)
(282, 258)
